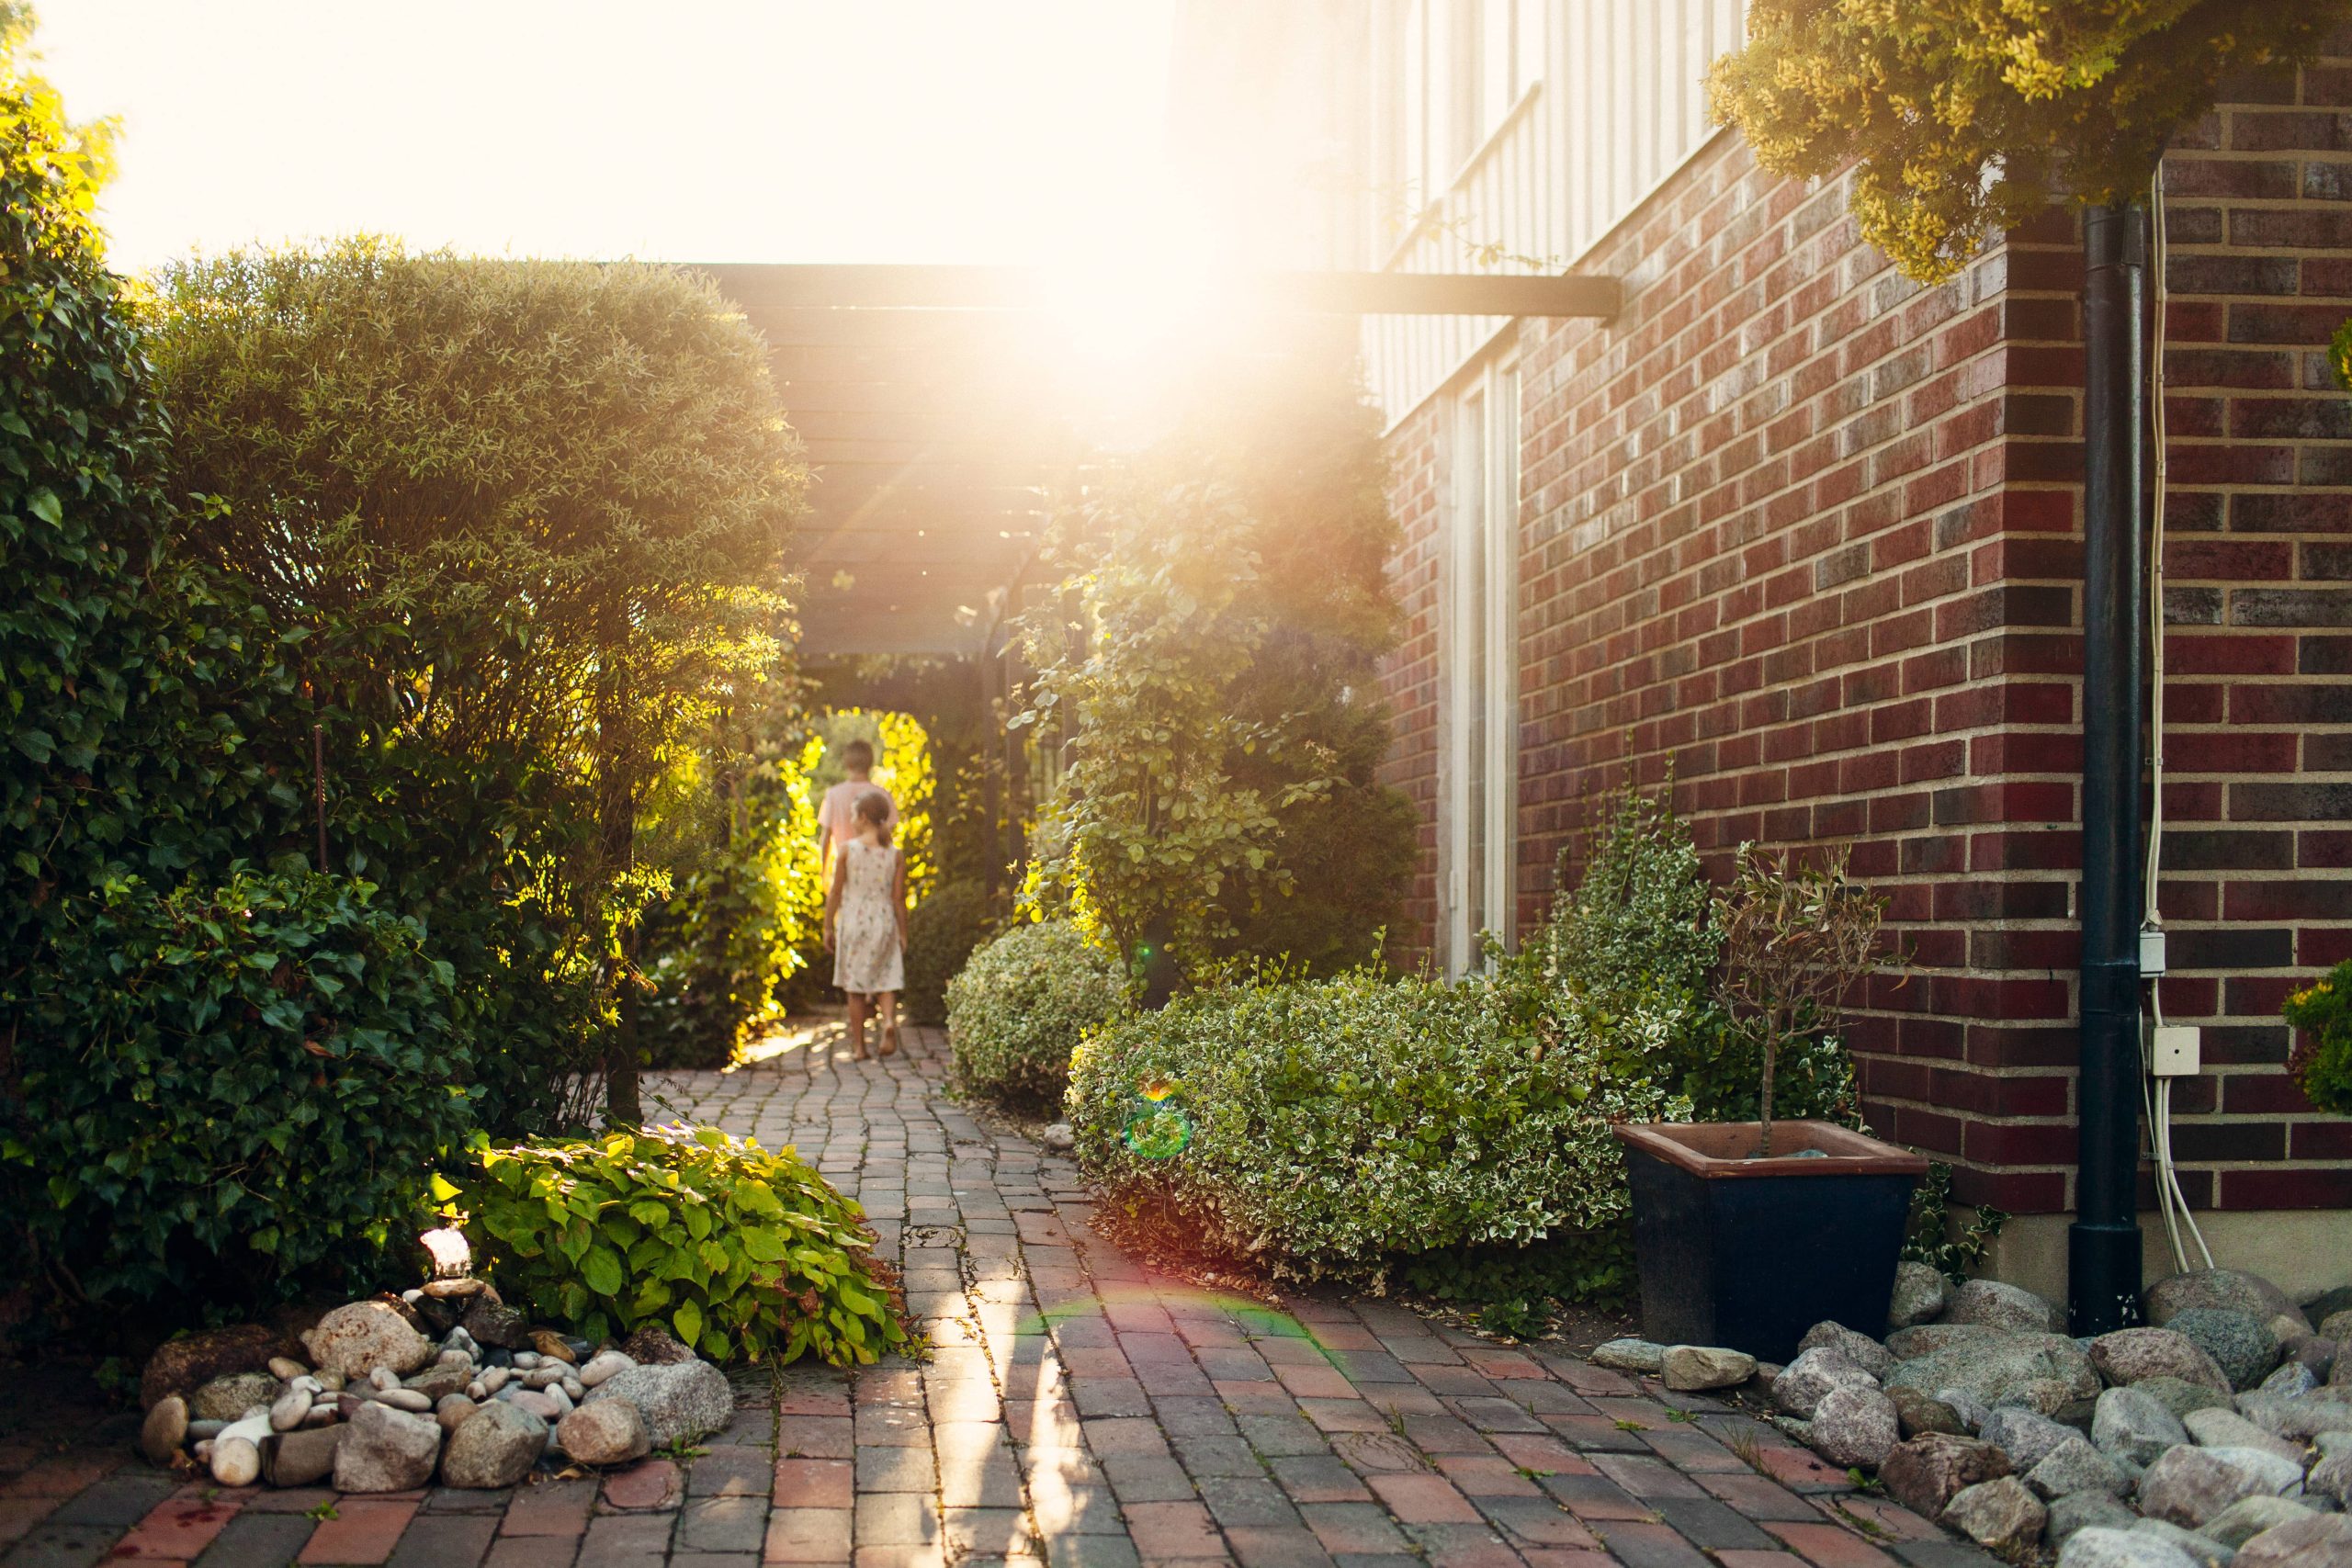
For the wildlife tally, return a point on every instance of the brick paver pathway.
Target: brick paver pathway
(1079, 1411)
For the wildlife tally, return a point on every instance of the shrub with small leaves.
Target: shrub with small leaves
(231, 1089)
(1021, 1005)
(733, 1248)
(1343, 1127)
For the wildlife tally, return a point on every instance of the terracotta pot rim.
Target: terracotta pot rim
(1843, 1152)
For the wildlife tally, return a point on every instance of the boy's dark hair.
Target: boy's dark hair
(857, 754)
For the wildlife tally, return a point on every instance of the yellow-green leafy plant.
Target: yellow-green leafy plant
(2321, 1063)
(735, 1250)
(1965, 118)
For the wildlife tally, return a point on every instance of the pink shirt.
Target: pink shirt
(834, 813)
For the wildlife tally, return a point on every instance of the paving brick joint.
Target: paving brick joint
(1078, 1410)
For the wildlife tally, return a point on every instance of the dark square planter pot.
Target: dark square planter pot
(1751, 1253)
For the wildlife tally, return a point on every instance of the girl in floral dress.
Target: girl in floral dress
(865, 920)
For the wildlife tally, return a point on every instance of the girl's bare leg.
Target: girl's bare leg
(889, 1000)
(857, 1005)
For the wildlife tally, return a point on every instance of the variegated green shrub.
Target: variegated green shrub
(735, 1249)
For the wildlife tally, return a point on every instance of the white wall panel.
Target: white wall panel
(1620, 107)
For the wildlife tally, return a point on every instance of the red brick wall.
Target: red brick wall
(1411, 674)
(1807, 534)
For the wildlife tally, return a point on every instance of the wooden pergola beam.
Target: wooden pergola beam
(757, 287)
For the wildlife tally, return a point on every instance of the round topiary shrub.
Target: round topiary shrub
(1021, 1005)
(953, 919)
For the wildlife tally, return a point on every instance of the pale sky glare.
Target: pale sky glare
(873, 130)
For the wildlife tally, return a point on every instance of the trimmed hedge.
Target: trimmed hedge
(1336, 1127)
(1022, 1005)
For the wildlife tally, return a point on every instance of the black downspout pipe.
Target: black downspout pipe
(2103, 1244)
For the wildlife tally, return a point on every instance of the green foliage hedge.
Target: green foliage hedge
(1452, 1136)
(501, 536)
(234, 1084)
(943, 933)
(1019, 1008)
(1335, 1126)
(737, 1250)
(526, 519)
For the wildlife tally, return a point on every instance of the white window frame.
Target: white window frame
(1480, 793)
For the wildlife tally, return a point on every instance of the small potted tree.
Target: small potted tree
(1746, 1233)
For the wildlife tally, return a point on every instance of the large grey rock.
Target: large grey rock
(2085, 1511)
(2075, 1466)
(2134, 1426)
(2289, 1378)
(1926, 1472)
(2000, 1515)
(2228, 1430)
(355, 1341)
(2026, 1436)
(2046, 1370)
(1640, 1356)
(2331, 1480)
(2202, 1550)
(2103, 1548)
(495, 1449)
(384, 1449)
(227, 1398)
(2188, 1485)
(2180, 1398)
(1920, 1294)
(1692, 1369)
(2240, 1345)
(2336, 1325)
(303, 1457)
(681, 1401)
(2323, 1541)
(1973, 1412)
(1921, 1413)
(601, 1432)
(1806, 1381)
(2249, 1517)
(2010, 1308)
(2222, 1290)
(1855, 1427)
(1926, 1338)
(2135, 1355)
(1859, 1348)
(2302, 1418)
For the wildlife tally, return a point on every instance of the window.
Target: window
(1481, 779)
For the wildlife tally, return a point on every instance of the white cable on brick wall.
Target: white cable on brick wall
(2171, 1201)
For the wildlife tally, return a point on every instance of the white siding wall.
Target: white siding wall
(1618, 108)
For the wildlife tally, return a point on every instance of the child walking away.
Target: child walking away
(865, 920)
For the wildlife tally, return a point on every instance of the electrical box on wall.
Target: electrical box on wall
(2175, 1052)
(2152, 950)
